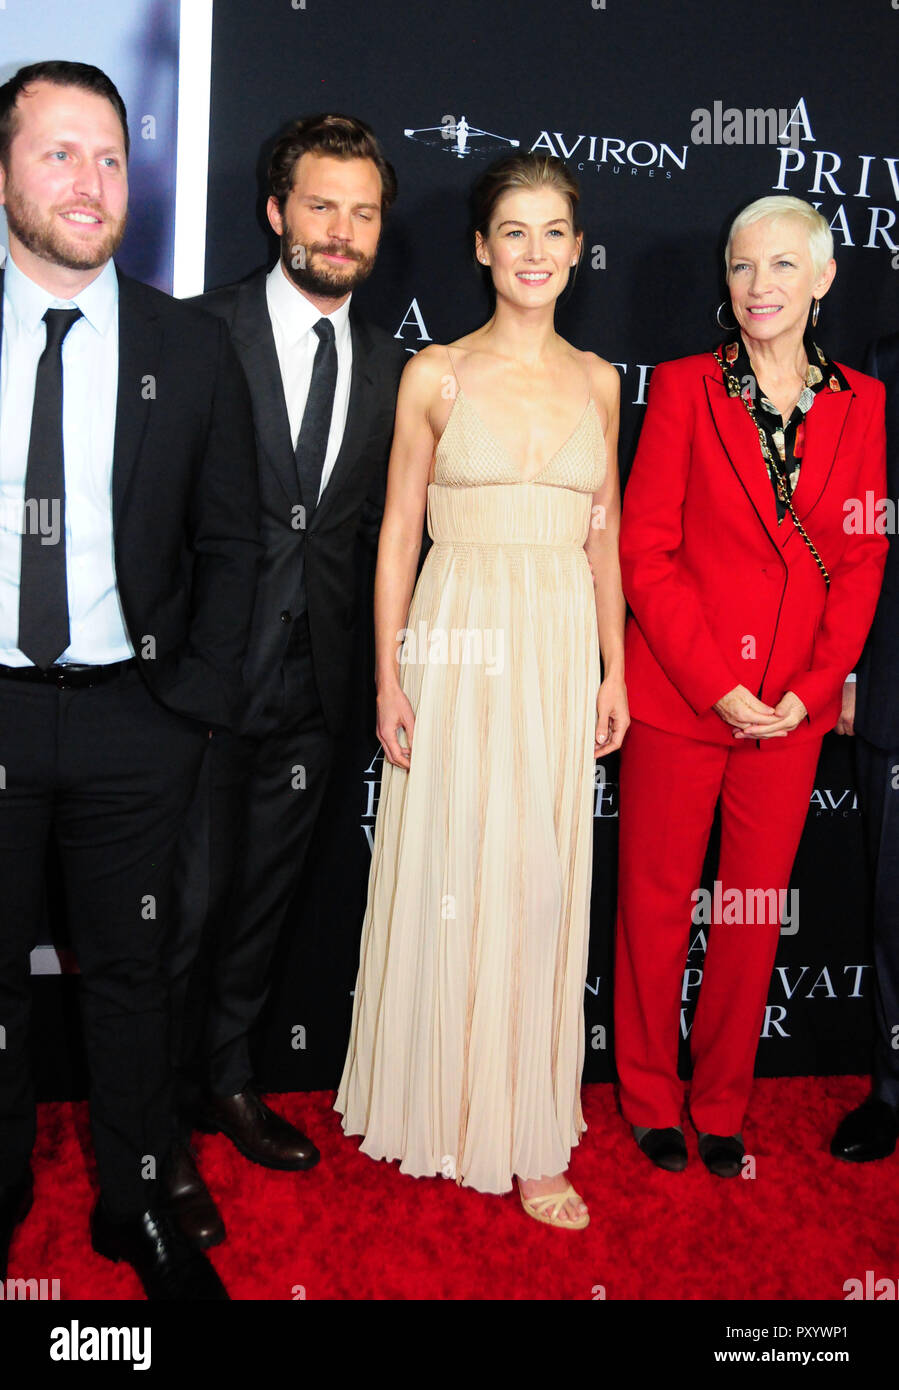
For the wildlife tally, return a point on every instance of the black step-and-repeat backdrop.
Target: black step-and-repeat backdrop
(672, 115)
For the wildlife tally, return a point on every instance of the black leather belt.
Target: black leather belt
(67, 677)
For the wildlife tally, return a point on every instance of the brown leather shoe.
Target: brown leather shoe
(188, 1199)
(257, 1132)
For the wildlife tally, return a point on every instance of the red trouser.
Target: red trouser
(669, 788)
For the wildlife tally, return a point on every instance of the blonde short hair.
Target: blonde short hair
(819, 235)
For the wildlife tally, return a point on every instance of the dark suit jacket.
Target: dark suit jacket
(720, 594)
(351, 505)
(877, 697)
(184, 502)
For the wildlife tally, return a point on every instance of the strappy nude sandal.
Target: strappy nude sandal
(547, 1208)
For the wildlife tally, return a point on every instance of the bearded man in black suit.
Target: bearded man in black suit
(323, 381)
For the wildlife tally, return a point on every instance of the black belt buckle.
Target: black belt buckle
(72, 677)
(68, 677)
(75, 677)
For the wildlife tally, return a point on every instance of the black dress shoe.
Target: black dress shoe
(15, 1204)
(166, 1263)
(257, 1132)
(666, 1147)
(722, 1154)
(866, 1133)
(188, 1198)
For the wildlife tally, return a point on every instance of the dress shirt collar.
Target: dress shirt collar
(822, 374)
(29, 301)
(296, 315)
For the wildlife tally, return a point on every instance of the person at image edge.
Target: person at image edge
(871, 712)
(128, 557)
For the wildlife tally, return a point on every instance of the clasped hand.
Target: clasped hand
(752, 718)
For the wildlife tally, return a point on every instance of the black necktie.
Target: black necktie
(43, 598)
(312, 440)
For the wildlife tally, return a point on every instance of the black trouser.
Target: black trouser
(110, 772)
(878, 788)
(242, 856)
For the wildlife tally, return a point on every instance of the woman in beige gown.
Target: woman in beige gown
(467, 1041)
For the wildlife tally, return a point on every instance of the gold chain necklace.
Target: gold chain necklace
(782, 482)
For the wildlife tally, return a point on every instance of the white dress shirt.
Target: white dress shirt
(90, 358)
(293, 318)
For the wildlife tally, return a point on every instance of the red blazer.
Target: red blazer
(720, 595)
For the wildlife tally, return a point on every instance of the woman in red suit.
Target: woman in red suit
(750, 603)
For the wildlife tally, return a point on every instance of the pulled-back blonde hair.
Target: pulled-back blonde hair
(517, 172)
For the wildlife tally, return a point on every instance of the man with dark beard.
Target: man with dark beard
(324, 384)
(128, 557)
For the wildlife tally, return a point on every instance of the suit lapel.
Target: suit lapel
(140, 339)
(358, 418)
(254, 342)
(824, 425)
(740, 441)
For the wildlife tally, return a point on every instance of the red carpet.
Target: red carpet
(355, 1229)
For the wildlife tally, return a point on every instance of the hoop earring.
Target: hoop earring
(815, 312)
(728, 327)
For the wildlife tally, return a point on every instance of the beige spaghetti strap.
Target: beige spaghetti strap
(453, 370)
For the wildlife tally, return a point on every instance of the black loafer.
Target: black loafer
(166, 1263)
(722, 1154)
(666, 1148)
(867, 1133)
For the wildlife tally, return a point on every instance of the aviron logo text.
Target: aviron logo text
(600, 150)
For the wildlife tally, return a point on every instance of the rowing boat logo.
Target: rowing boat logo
(456, 136)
